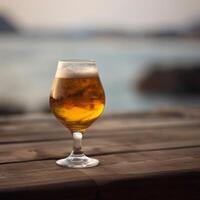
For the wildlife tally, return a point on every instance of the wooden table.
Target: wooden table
(153, 155)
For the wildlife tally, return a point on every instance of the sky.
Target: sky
(128, 14)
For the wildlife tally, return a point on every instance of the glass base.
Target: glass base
(77, 161)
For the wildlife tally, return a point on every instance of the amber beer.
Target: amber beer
(78, 100)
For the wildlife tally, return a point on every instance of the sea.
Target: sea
(28, 64)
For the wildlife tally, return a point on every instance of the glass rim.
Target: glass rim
(77, 61)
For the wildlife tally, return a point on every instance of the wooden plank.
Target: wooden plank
(44, 180)
(50, 122)
(46, 134)
(142, 156)
(36, 127)
(107, 144)
(173, 174)
(46, 131)
(173, 186)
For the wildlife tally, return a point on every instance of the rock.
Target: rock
(6, 25)
(10, 109)
(171, 79)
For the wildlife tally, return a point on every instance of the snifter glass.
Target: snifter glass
(77, 99)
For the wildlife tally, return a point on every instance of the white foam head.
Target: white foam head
(76, 69)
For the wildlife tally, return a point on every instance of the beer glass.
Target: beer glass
(77, 99)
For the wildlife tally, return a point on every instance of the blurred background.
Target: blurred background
(147, 52)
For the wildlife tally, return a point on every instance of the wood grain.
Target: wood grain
(129, 140)
(149, 155)
(116, 171)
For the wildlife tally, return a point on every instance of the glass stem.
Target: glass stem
(77, 139)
